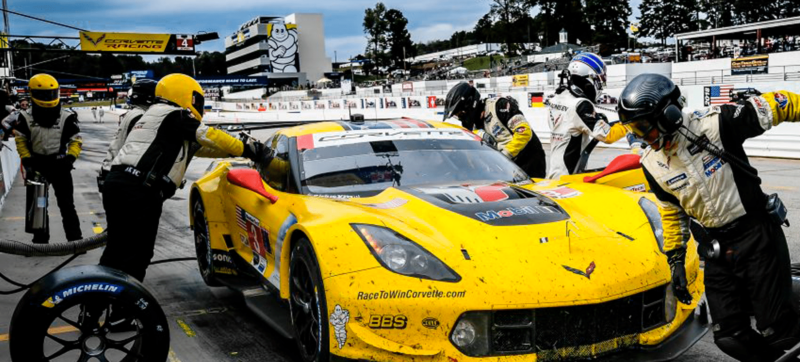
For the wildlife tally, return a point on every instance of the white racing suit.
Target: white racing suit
(753, 266)
(147, 170)
(125, 126)
(514, 135)
(573, 124)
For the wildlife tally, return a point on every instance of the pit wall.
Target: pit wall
(9, 168)
(782, 141)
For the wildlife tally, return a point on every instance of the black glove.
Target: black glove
(676, 260)
(66, 161)
(28, 162)
(101, 180)
(253, 150)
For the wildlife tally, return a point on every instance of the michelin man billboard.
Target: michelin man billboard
(282, 42)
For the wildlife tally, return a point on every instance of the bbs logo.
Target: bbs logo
(225, 258)
(388, 321)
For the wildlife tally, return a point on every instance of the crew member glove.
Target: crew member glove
(101, 180)
(66, 161)
(30, 164)
(676, 260)
(252, 150)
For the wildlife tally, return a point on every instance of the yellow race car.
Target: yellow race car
(407, 240)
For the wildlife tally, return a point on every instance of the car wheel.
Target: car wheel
(50, 323)
(307, 304)
(202, 244)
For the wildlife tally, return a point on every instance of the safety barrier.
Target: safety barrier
(782, 141)
(9, 168)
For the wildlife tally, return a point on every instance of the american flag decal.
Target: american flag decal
(717, 95)
(240, 217)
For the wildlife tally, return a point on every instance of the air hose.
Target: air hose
(58, 249)
(74, 248)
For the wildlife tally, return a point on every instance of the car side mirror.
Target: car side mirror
(250, 179)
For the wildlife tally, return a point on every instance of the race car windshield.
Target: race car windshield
(366, 169)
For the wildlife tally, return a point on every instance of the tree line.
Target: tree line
(598, 22)
(88, 66)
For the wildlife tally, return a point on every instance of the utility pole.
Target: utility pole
(404, 61)
(7, 29)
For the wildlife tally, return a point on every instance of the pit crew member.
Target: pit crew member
(141, 96)
(48, 142)
(149, 168)
(503, 120)
(573, 120)
(697, 167)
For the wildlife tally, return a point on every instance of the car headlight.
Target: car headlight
(670, 304)
(654, 216)
(471, 334)
(401, 255)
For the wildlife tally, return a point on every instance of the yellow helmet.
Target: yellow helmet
(44, 90)
(184, 91)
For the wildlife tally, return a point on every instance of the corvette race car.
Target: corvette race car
(408, 240)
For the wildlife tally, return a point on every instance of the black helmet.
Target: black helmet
(648, 101)
(462, 100)
(143, 92)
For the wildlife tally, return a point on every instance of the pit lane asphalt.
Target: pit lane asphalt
(213, 324)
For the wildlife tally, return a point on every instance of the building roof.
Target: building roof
(767, 28)
(560, 48)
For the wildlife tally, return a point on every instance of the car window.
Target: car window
(367, 168)
(274, 163)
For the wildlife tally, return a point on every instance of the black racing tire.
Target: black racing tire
(35, 314)
(307, 304)
(202, 244)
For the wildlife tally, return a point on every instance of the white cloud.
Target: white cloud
(345, 46)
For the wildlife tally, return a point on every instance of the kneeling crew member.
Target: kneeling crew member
(722, 192)
(150, 167)
(502, 118)
(48, 142)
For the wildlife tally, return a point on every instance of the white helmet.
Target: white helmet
(591, 67)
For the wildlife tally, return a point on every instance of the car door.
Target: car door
(258, 224)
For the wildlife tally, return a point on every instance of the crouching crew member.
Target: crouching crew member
(503, 120)
(697, 167)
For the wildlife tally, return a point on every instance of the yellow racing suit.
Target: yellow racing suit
(514, 135)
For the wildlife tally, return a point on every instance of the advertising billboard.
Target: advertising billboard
(95, 41)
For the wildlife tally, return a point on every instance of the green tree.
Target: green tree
(400, 44)
(483, 30)
(568, 15)
(609, 20)
(376, 27)
(507, 13)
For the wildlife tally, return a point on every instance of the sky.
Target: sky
(344, 35)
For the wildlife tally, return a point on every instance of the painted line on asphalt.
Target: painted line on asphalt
(54, 330)
(9, 218)
(96, 227)
(776, 187)
(172, 357)
(186, 329)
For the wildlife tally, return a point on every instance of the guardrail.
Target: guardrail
(700, 77)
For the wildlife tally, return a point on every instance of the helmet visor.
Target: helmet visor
(640, 127)
(45, 95)
(198, 102)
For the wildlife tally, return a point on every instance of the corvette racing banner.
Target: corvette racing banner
(94, 41)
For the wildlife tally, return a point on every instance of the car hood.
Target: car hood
(543, 243)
